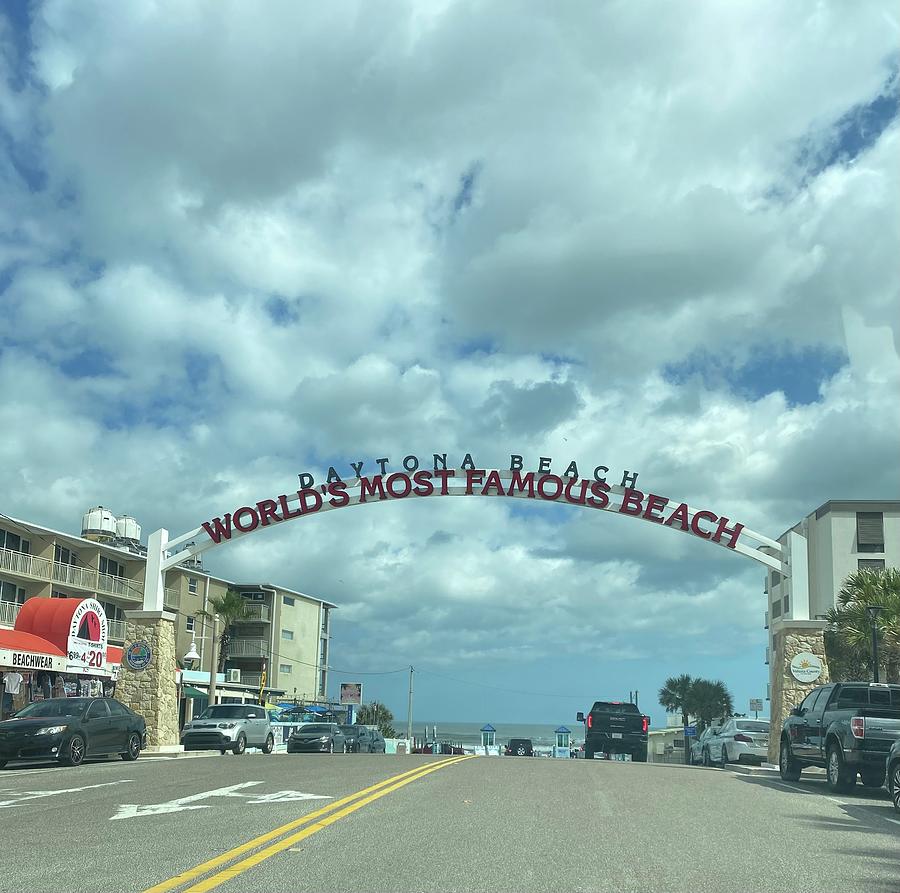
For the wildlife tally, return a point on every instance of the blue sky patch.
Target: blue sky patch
(281, 312)
(92, 363)
(798, 373)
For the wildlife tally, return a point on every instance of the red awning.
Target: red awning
(48, 618)
(16, 640)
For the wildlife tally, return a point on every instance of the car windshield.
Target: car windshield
(318, 728)
(349, 730)
(224, 711)
(56, 707)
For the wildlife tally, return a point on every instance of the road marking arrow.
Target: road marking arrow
(181, 804)
(23, 796)
(287, 797)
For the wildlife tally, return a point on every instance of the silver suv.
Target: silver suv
(233, 727)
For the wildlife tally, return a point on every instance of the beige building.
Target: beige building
(839, 537)
(286, 631)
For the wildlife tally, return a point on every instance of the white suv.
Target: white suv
(233, 727)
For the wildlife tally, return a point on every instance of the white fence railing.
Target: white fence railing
(116, 630)
(248, 648)
(25, 565)
(256, 612)
(8, 613)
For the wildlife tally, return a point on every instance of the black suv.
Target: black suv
(519, 747)
(847, 727)
(614, 727)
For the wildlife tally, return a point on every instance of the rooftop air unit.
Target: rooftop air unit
(128, 529)
(99, 524)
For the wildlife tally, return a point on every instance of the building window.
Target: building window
(786, 604)
(776, 609)
(113, 612)
(9, 592)
(61, 555)
(288, 601)
(323, 652)
(775, 578)
(324, 621)
(870, 531)
(287, 634)
(322, 684)
(189, 624)
(110, 568)
(192, 585)
(284, 668)
(871, 564)
(14, 542)
(58, 593)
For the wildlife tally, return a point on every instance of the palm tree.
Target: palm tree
(852, 623)
(710, 700)
(229, 608)
(675, 695)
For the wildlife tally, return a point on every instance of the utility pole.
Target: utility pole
(409, 707)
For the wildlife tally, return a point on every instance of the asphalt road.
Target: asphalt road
(299, 823)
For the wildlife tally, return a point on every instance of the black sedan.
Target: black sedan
(318, 737)
(70, 729)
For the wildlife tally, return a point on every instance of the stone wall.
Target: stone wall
(787, 692)
(152, 692)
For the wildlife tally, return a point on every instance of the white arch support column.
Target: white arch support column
(154, 582)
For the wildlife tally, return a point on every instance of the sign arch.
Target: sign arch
(595, 495)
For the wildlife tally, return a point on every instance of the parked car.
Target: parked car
(847, 727)
(892, 776)
(699, 746)
(70, 729)
(378, 745)
(519, 747)
(739, 741)
(614, 727)
(318, 737)
(233, 727)
(359, 739)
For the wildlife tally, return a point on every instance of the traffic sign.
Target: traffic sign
(690, 731)
(756, 704)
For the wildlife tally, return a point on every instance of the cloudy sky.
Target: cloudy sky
(240, 241)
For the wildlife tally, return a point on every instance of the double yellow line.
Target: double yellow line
(308, 825)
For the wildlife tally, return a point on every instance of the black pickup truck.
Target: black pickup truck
(846, 727)
(615, 727)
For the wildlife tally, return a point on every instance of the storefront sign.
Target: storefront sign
(351, 693)
(806, 667)
(138, 655)
(88, 632)
(413, 482)
(30, 660)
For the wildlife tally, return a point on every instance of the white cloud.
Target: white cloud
(270, 244)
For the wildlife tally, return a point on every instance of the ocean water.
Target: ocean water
(469, 733)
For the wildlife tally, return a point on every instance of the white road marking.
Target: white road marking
(24, 796)
(180, 804)
(287, 797)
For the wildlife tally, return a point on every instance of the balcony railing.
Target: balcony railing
(253, 679)
(248, 648)
(172, 598)
(256, 613)
(767, 620)
(25, 565)
(8, 613)
(117, 631)
(72, 575)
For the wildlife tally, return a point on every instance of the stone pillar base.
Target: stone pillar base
(152, 692)
(792, 638)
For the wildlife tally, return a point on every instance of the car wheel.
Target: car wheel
(840, 779)
(704, 759)
(240, 745)
(521, 751)
(893, 784)
(74, 755)
(134, 748)
(269, 746)
(640, 756)
(723, 759)
(588, 753)
(788, 767)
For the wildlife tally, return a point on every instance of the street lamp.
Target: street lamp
(192, 654)
(873, 611)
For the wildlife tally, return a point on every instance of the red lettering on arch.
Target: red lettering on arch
(681, 516)
(655, 504)
(254, 523)
(734, 532)
(520, 481)
(369, 486)
(268, 512)
(493, 482)
(217, 529)
(632, 502)
(695, 523)
(406, 485)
